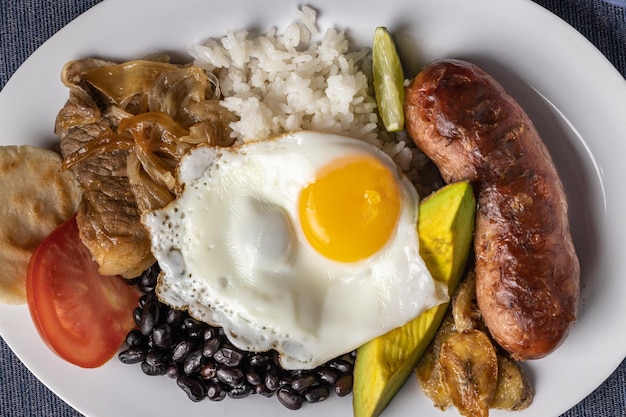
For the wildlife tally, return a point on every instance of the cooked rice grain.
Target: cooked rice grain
(303, 79)
(277, 83)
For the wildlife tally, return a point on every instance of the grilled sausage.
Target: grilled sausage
(527, 271)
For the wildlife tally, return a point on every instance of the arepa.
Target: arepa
(37, 196)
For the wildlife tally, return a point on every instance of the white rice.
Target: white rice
(298, 79)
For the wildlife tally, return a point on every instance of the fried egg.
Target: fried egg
(306, 244)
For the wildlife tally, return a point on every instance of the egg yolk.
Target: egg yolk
(351, 209)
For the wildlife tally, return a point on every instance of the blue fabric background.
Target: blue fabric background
(26, 24)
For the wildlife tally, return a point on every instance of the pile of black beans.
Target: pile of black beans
(204, 364)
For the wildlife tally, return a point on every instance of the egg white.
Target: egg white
(232, 252)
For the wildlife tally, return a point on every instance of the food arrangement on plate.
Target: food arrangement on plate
(279, 210)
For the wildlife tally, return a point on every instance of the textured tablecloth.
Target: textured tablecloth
(26, 24)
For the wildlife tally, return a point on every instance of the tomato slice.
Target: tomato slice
(81, 315)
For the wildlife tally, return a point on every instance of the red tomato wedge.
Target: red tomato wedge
(81, 315)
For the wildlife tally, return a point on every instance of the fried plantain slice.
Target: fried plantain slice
(464, 307)
(513, 391)
(469, 369)
(428, 370)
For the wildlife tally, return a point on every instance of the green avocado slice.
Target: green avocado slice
(446, 228)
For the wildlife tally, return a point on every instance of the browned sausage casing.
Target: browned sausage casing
(527, 272)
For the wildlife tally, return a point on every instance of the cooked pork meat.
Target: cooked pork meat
(108, 217)
(123, 131)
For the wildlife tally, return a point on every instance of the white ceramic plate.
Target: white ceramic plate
(574, 95)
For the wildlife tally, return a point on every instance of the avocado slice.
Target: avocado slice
(446, 227)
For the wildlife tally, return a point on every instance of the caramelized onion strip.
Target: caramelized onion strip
(148, 194)
(107, 141)
(156, 145)
(121, 82)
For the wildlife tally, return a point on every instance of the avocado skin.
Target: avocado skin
(446, 228)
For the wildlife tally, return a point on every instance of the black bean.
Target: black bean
(228, 356)
(209, 370)
(303, 382)
(285, 378)
(153, 271)
(261, 389)
(193, 362)
(343, 386)
(149, 277)
(327, 376)
(253, 376)
(296, 373)
(272, 381)
(162, 336)
(214, 391)
(137, 312)
(157, 369)
(149, 317)
(192, 324)
(174, 318)
(156, 357)
(182, 350)
(316, 394)
(134, 338)
(342, 365)
(194, 388)
(240, 391)
(147, 282)
(289, 398)
(258, 359)
(230, 376)
(194, 334)
(146, 298)
(173, 371)
(211, 346)
(205, 364)
(132, 355)
(142, 287)
(210, 333)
